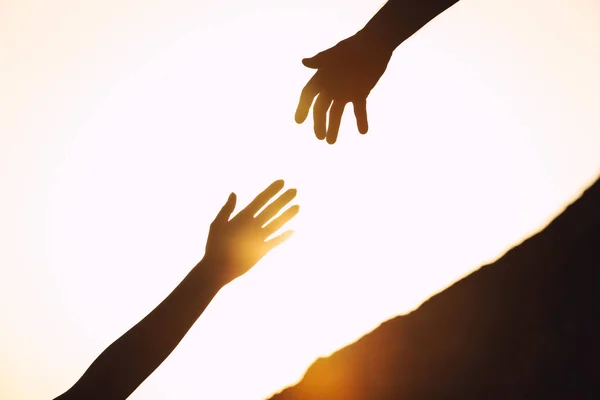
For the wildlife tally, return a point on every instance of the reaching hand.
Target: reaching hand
(346, 73)
(233, 247)
(236, 245)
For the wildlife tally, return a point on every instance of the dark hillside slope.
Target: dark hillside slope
(524, 327)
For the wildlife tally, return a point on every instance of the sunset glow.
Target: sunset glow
(124, 125)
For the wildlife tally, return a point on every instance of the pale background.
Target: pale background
(124, 125)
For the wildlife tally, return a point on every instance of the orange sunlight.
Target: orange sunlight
(128, 123)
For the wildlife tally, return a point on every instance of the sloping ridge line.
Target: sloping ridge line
(525, 326)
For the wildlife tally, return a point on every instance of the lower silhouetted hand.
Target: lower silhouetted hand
(235, 245)
(346, 73)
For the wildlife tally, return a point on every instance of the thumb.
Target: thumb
(318, 61)
(227, 209)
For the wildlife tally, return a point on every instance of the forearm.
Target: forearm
(397, 20)
(126, 363)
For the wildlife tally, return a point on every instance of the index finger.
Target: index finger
(264, 197)
(280, 221)
(310, 91)
(277, 205)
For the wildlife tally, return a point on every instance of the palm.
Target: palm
(241, 243)
(346, 73)
(236, 245)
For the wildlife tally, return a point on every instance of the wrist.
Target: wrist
(207, 271)
(388, 28)
(377, 40)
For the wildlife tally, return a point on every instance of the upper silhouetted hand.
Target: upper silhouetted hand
(346, 73)
(236, 245)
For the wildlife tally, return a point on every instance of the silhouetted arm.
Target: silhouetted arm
(233, 247)
(397, 20)
(126, 363)
(347, 72)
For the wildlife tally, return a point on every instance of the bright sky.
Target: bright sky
(124, 125)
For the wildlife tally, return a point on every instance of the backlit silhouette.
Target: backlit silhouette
(347, 72)
(233, 247)
(523, 327)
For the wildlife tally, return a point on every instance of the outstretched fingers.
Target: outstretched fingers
(360, 112)
(335, 119)
(320, 114)
(310, 91)
(277, 240)
(275, 207)
(263, 198)
(280, 221)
